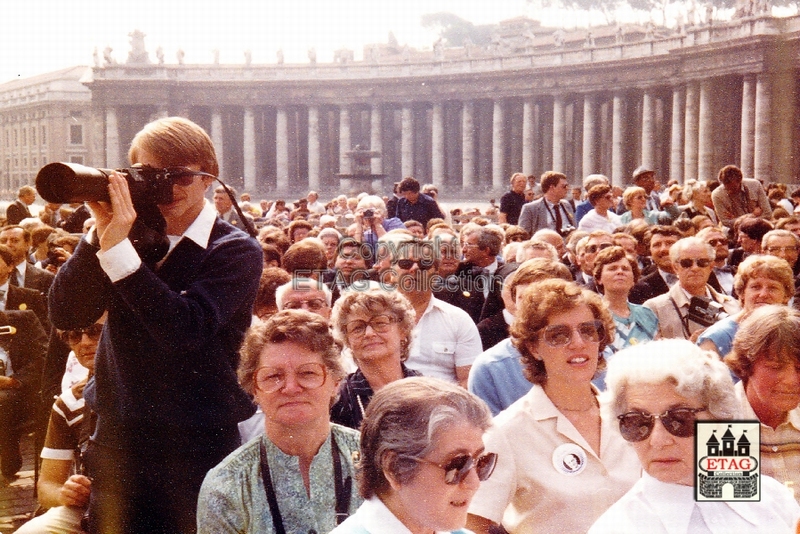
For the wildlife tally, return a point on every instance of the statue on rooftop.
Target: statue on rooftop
(160, 55)
(279, 56)
(558, 38)
(179, 55)
(248, 57)
(215, 53)
(438, 49)
(107, 59)
(312, 55)
(138, 54)
(96, 58)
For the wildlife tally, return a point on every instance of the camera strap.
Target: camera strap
(684, 319)
(342, 488)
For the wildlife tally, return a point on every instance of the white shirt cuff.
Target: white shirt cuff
(120, 261)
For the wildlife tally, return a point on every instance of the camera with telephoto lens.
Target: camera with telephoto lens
(705, 311)
(66, 183)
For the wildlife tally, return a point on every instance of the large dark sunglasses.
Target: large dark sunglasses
(423, 264)
(75, 336)
(688, 262)
(183, 175)
(457, 469)
(560, 335)
(637, 426)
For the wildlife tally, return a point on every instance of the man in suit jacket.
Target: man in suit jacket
(739, 196)
(27, 275)
(662, 277)
(692, 259)
(551, 211)
(18, 210)
(22, 355)
(478, 272)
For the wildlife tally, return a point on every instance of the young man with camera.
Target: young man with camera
(165, 388)
(687, 307)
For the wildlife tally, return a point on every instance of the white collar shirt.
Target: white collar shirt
(658, 507)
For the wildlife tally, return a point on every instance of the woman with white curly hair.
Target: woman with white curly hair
(657, 391)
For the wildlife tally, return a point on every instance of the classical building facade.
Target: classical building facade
(684, 102)
(43, 119)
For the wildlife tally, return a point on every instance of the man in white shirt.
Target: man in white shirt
(447, 340)
(314, 205)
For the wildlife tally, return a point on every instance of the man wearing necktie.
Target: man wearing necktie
(551, 211)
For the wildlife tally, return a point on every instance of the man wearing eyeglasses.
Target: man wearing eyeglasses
(304, 294)
(63, 487)
(722, 271)
(783, 244)
(692, 258)
(447, 340)
(165, 390)
(551, 211)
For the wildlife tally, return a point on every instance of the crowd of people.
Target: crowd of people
(380, 364)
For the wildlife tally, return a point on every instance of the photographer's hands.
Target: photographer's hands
(115, 220)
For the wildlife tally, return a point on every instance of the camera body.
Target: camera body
(369, 214)
(66, 183)
(705, 311)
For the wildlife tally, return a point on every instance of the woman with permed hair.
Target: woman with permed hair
(560, 464)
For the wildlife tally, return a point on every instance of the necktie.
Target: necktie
(559, 221)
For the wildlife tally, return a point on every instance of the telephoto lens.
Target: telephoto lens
(66, 183)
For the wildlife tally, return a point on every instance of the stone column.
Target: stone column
(313, 148)
(617, 141)
(468, 147)
(762, 167)
(375, 138)
(558, 133)
(407, 142)
(528, 137)
(691, 131)
(498, 146)
(217, 138)
(748, 124)
(676, 138)
(345, 145)
(249, 149)
(589, 136)
(705, 133)
(112, 139)
(648, 130)
(437, 145)
(282, 149)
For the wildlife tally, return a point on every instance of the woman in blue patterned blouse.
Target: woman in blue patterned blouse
(297, 476)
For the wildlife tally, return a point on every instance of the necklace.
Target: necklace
(593, 405)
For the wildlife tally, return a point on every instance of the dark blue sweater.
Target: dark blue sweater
(167, 358)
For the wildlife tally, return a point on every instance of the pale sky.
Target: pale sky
(39, 36)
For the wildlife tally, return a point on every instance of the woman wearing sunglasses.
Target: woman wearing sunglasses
(422, 459)
(376, 326)
(656, 392)
(297, 475)
(560, 464)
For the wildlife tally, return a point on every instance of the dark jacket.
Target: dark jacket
(16, 212)
(168, 355)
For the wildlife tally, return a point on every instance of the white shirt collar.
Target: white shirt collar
(200, 230)
(21, 269)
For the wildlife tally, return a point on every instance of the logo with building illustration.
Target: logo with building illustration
(727, 461)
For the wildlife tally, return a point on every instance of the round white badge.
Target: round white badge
(569, 459)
